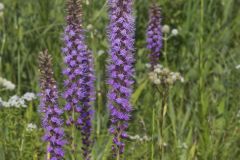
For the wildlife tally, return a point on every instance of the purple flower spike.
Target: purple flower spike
(79, 85)
(51, 113)
(121, 38)
(154, 34)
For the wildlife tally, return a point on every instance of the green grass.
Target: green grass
(201, 121)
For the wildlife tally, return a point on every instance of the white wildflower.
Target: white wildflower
(165, 144)
(1, 102)
(157, 81)
(166, 29)
(174, 32)
(161, 75)
(1, 6)
(146, 138)
(16, 101)
(31, 127)
(89, 27)
(238, 66)
(158, 66)
(157, 70)
(87, 2)
(238, 114)
(100, 52)
(1, 9)
(182, 79)
(148, 65)
(29, 96)
(6, 84)
(140, 139)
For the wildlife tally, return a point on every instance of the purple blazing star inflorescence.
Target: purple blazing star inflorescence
(121, 38)
(51, 113)
(154, 34)
(79, 84)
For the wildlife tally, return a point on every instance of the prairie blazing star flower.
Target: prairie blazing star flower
(79, 84)
(51, 113)
(121, 38)
(154, 34)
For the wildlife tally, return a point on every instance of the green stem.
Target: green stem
(165, 49)
(18, 48)
(99, 113)
(22, 144)
(73, 136)
(200, 56)
(153, 129)
(48, 153)
(161, 116)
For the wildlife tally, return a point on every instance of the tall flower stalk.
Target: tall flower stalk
(51, 113)
(79, 84)
(154, 35)
(121, 38)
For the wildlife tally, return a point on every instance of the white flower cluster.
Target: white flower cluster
(16, 101)
(238, 66)
(29, 96)
(31, 127)
(162, 75)
(166, 30)
(1, 9)
(5, 84)
(140, 139)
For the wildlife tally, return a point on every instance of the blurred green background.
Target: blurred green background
(203, 116)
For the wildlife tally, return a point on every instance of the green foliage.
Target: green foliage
(202, 117)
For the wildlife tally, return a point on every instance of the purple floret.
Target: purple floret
(51, 113)
(154, 34)
(120, 69)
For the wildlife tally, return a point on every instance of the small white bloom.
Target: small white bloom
(148, 65)
(1, 102)
(100, 52)
(29, 96)
(1, 9)
(238, 66)
(182, 79)
(6, 84)
(166, 29)
(21, 103)
(157, 70)
(157, 81)
(174, 32)
(16, 101)
(31, 127)
(158, 66)
(165, 144)
(89, 27)
(1, 6)
(146, 138)
(136, 137)
(87, 2)
(238, 114)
